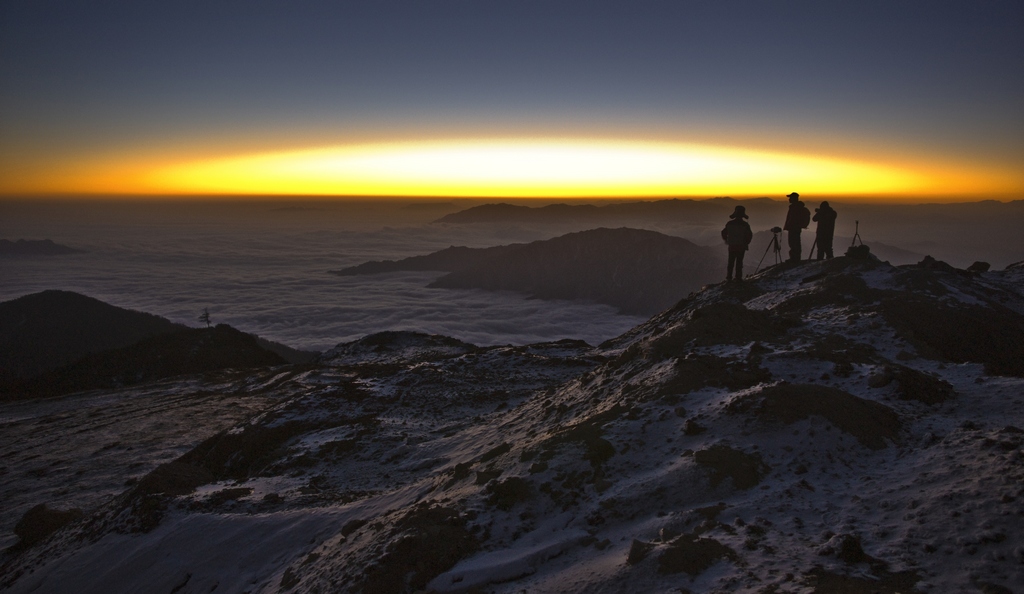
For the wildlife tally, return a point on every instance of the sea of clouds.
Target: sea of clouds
(265, 268)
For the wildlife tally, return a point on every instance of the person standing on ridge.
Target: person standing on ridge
(797, 219)
(826, 218)
(737, 234)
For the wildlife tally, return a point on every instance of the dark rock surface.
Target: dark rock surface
(42, 521)
(872, 423)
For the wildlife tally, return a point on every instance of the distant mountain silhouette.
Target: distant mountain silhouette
(712, 211)
(195, 350)
(286, 352)
(294, 209)
(449, 259)
(637, 271)
(428, 206)
(959, 233)
(47, 330)
(501, 213)
(34, 247)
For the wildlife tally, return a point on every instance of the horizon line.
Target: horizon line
(879, 198)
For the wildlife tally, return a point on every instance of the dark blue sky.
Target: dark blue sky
(919, 80)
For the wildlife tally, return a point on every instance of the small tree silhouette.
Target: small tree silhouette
(205, 317)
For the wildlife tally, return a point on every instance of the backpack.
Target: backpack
(804, 217)
(860, 252)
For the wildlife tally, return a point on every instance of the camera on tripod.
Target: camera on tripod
(774, 246)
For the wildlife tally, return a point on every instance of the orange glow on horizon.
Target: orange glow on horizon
(524, 168)
(512, 168)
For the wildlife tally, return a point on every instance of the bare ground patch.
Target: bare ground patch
(870, 422)
(721, 323)
(692, 554)
(915, 385)
(883, 582)
(423, 544)
(992, 335)
(694, 372)
(745, 470)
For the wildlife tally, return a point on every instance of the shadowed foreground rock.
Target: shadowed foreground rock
(41, 521)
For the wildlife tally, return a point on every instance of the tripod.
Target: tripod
(775, 247)
(856, 235)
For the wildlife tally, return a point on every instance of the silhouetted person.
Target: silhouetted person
(826, 218)
(737, 234)
(797, 219)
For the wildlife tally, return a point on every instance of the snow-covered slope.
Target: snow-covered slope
(837, 426)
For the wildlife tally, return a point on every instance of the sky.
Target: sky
(887, 100)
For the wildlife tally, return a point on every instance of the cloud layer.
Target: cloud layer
(267, 272)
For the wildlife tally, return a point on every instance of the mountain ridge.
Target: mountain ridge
(709, 211)
(635, 270)
(50, 340)
(35, 247)
(957, 232)
(45, 330)
(189, 351)
(809, 429)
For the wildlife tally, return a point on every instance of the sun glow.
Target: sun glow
(526, 168)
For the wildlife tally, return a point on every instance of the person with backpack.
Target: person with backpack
(797, 219)
(737, 235)
(826, 218)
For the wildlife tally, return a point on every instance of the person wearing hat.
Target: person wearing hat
(797, 219)
(826, 218)
(737, 235)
